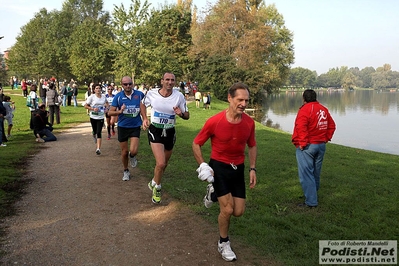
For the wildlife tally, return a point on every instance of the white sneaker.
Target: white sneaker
(98, 152)
(207, 198)
(126, 176)
(40, 140)
(133, 161)
(226, 252)
(3, 145)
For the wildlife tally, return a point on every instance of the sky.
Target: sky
(327, 33)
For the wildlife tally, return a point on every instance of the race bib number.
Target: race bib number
(100, 110)
(131, 111)
(161, 120)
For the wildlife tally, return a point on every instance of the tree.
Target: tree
(22, 57)
(46, 44)
(394, 79)
(348, 81)
(380, 78)
(53, 55)
(87, 44)
(365, 76)
(302, 77)
(335, 76)
(90, 56)
(253, 36)
(216, 68)
(82, 9)
(167, 40)
(128, 28)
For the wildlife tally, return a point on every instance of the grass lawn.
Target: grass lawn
(358, 194)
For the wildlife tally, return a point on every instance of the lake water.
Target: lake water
(365, 119)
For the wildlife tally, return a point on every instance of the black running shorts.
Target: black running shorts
(227, 179)
(165, 136)
(125, 133)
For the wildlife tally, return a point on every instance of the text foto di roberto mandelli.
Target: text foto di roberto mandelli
(357, 251)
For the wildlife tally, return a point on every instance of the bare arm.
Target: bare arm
(252, 153)
(197, 153)
(113, 112)
(143, 113)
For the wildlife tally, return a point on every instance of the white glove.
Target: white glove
(205, 172)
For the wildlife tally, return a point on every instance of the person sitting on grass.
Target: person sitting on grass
(42, 129)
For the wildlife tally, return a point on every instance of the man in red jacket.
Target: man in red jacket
(314, 127)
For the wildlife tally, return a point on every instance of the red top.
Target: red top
(228, 140)
(313, 125)
(24, 85)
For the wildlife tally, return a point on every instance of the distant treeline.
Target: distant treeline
(344, 77)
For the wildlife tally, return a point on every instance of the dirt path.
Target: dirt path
(78, 211)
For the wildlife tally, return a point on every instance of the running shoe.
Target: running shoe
(109, 137)
(150, 185)
(3, 145)
(156, 195)
(126, 175)
(133, 161)
(226, 252)
(95, 138)
(113, 132)
(98, 152)
(40, 140)
(207, 198)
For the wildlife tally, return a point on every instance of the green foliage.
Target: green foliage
(368, 77)
(218, 74)
(54, 52)
(302, 77)
(255, 46)
(167, 40)
(23, 55)
(90, 58)
(251, 41)
(365, 76)
(128, 27)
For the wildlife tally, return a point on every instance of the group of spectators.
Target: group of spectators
(7, 108)
(39, 120)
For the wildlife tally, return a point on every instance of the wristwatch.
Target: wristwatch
(252, 169)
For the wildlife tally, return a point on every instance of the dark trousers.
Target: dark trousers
(54, 110)
(46, 134)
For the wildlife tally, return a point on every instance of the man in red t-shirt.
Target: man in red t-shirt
(230, 132)
(314, 127)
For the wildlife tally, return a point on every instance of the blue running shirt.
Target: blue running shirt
(130, 117)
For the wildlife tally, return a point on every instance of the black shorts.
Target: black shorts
(227, 179)
(125, 133)
(157, 135)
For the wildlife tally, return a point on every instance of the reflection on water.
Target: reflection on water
(365, 119)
